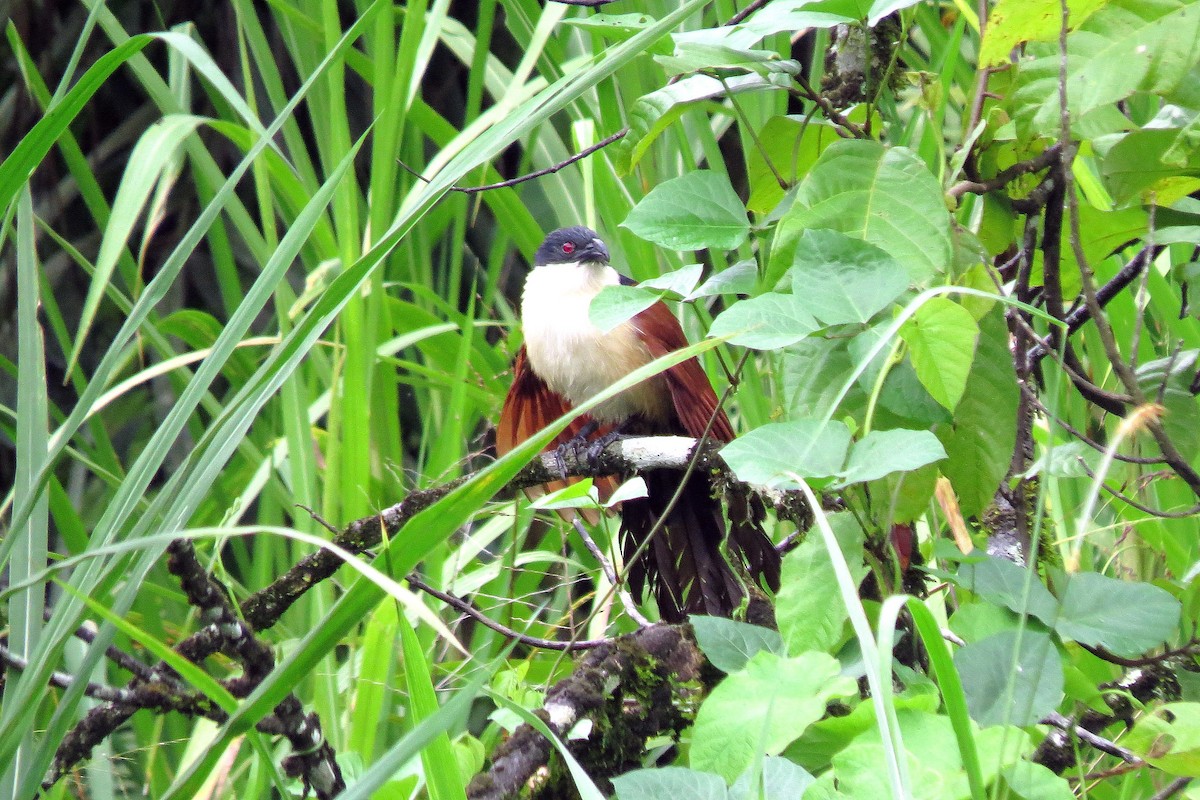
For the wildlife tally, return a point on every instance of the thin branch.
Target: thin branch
(831, 113)
(1099, 652)
(1099, 742)
(745, 12)
(582, 154)
(1081, 436)
(1007, 176)
(1171, 789)
(459, 604)
(611, 574)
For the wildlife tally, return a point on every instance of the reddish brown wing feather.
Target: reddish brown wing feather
(692, 395)
(530, 406)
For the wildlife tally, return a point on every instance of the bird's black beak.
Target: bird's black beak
(594, 251)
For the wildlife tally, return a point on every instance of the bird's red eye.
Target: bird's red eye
(568, 247)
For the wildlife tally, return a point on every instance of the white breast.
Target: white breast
(574, 357)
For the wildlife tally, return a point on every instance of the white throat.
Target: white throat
(575, 358)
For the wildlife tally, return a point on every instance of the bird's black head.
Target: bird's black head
(570, 245)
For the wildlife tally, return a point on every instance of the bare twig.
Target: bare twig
(1005, 177)
(611, 574)
(831, 113)
(1099, 742)
(459, 604)
(605, 142)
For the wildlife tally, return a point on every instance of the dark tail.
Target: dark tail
(685, 565)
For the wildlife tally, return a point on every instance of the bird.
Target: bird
(565, 360)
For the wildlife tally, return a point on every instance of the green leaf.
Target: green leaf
(695, 56)
(808, 448)
(619, 27)
(808, 606)
(791, 146)
(813, 373)
(1135, 167)
(1169, 738)
(729, 644)
(741, 278)
(1011, 22)
(841, 279)
(1010, 585)
(1170, 378)
(616, 304)
(881, 453)
(762, 709)
(681, 281)
(941, 338)
(669, 783)
(695, 211)
(766, 322)
(979, 448)
(1126, 46)
(1030, 781)
(1122, 617)
(882, 195)
(780, 780)
(1009, 682)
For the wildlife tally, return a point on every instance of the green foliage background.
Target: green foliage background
(231, 298)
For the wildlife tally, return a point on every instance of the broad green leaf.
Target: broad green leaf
(791, 147)
(1011, 22)
(1123, 617)
(841, 279)
(1126, 46)
(616, 304)
(741, 278)
(766, 322)
(1029, 781)
(729, 644)
(808, 448)
(762, 709)
(978, 448)
(695, 56)
(1011, 682)
(1010, 585)
(941, 339)
(808, 606)
(813, 372)
(695, 211)
(669, 783)
(653, 113)
(881, 453)
(883, 195)
(1134, 168)
(681, 281)
(619, 27)
(780, 779)
(1169, 738)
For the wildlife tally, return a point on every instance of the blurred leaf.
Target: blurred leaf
(1015, 587)
(813, 372)
(1169, 738)
(791, 146)
(1123, 617)
(979, 442)
(808, 448)
(616, 304)
(741, 278)
(695, 211)
(780, 780)
(841, 279)
(669, 783)
(883, 195)
(681, 281)
(1009, 682)
(729, 644)
(1011, 22)
(766, 322)
(762, 709)
(1134, 168)
(808, 606)
(619, 27)
(881, 453)
(941, 338)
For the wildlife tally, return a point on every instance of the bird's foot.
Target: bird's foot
(592, 454)
(574, 446)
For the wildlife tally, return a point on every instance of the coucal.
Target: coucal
(566, 360)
